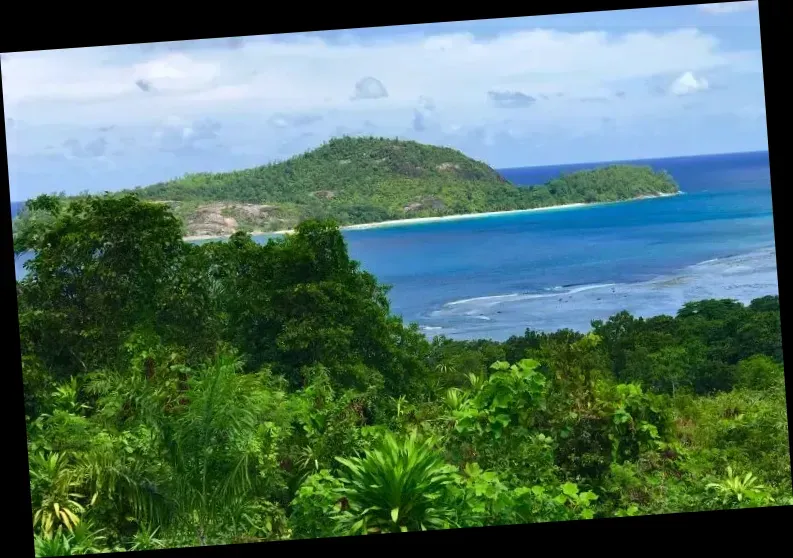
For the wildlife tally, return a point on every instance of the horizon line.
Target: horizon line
(669, 157)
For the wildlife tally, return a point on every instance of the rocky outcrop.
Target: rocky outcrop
(227, 218)
(429, 203)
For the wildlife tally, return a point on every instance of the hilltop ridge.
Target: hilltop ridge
(373, 180)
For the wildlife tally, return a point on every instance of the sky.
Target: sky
(540, 90)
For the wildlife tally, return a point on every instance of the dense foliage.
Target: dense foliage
(184, 395)
(368, 180)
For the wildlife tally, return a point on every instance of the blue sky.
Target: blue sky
(513, 92)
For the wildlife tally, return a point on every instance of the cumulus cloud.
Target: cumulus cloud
(281, 120)
(510, 99)
(143, 85)
(271, 83)
(175, 73)
(727, 7)
(77, 150)
(96, 148)
(179, 137)
(419, 121)
(426, 104)
(73, 147)
(369, 88)
(203, 129)
(423, 114)
(687, 84)
(309, 74)
(367, 128)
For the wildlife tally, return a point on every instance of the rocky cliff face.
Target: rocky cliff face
(227, 218)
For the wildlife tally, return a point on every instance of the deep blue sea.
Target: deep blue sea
(496, 276)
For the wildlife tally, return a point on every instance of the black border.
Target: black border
(664, 533)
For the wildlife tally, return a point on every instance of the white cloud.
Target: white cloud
(176, 72)
(687, 84)
(176, 135)
(270, 95)
(308, 74)
(728, 7)
(370, 88)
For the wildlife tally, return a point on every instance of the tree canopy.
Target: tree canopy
(369, 180)
(184, 395)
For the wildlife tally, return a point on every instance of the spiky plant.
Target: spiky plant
(145, 539)
(53, 483)
(52, 544)
(398, 487)
(454, 398)
(735, 488)
(476, 381)
(87, 539)
(84, 539)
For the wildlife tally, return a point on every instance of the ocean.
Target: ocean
(496, 276)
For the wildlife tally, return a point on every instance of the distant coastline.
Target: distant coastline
(461, 217)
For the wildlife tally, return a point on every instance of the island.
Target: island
(329, 416)
(362, 182)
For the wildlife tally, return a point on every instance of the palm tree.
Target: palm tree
(398, 487)
(183, 467)
(214, 444)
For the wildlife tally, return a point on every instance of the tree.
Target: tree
(759, 372)
(222, 447)
(301, 301)
(104, 267)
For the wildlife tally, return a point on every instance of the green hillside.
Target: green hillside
(365, 180)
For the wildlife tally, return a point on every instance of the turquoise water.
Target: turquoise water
(496, 276)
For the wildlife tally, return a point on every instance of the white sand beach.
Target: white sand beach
(464, 216)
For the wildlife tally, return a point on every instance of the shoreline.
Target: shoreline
(741, 276)
(461, 217)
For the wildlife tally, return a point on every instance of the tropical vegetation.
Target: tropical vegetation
(185, 395)
(369, 180)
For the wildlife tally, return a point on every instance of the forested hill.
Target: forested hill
(368, 180)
